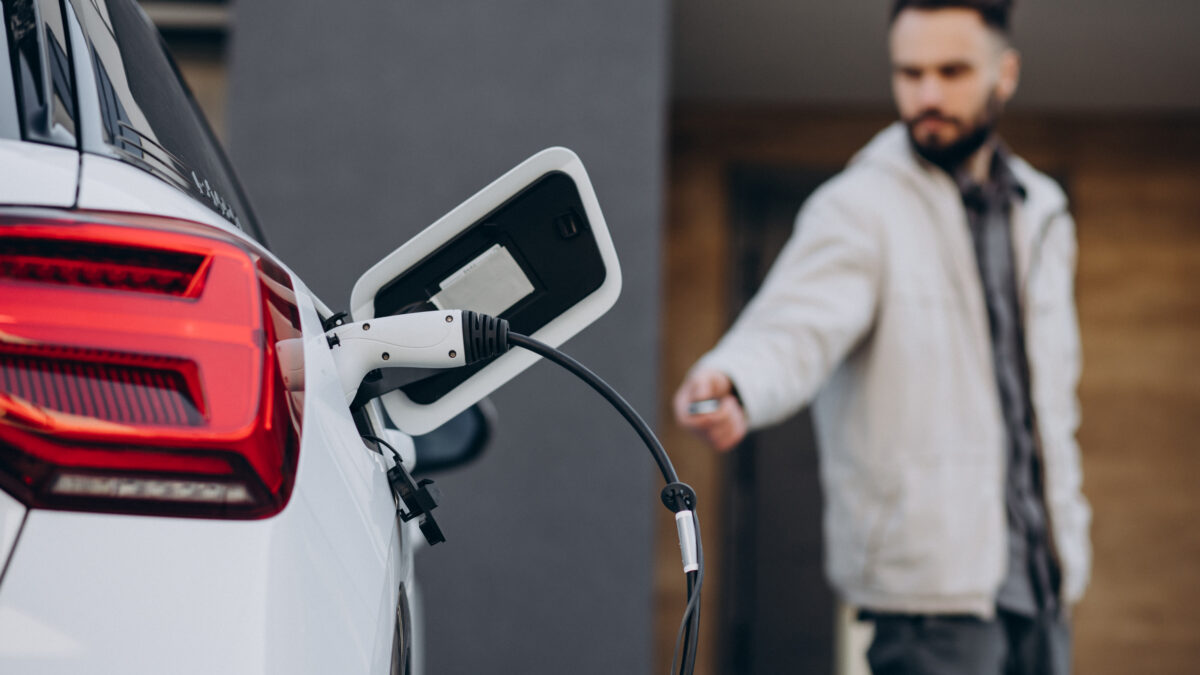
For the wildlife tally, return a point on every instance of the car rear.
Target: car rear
(182, 487)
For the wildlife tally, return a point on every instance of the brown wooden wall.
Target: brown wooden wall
(1135, 187)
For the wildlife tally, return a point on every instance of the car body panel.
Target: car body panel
(126, 594)
(33, 173)
(107, 184)
(12, 516)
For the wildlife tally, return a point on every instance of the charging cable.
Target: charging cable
(454, 338)
(679, 497)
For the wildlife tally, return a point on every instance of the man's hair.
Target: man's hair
(994, 12)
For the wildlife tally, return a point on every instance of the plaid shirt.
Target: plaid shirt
(1031, 583)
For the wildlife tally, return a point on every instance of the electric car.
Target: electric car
(187, 484)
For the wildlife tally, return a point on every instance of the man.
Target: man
(925, 307)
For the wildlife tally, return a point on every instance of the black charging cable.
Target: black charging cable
(486, 337)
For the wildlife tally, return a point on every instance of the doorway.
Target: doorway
(778, 612)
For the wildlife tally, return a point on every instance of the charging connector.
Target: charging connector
(445, 339)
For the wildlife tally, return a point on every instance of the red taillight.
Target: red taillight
(138, 369)
(98, 265)
(108, 386)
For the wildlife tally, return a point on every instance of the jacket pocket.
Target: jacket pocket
(884, 519)
(942, 533)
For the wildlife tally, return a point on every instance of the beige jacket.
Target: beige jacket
(874, 312)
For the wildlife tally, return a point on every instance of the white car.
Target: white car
(185, 486)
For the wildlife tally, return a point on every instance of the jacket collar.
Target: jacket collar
(1044, 201)
(889, 149)
(1001, 179)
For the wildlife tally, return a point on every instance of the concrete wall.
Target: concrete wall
(355, 127)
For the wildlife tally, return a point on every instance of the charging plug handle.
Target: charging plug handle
(484, 337)
(443, 339)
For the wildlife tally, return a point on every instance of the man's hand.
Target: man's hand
(723, 428)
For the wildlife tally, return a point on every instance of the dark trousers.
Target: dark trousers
(1008, 644)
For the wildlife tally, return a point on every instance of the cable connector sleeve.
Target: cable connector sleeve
(678, 497)
(685, 525)
(484, 337)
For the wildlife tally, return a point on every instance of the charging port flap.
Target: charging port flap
(531, 248)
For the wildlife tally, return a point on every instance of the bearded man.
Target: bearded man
(924, 306)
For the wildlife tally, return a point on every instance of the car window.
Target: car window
(10, 125)
(40, 71)
(147, 114)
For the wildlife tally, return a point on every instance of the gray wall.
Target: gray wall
(354, 128)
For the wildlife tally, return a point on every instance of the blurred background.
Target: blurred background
(704, 124)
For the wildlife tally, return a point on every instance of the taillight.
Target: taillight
(138, 368)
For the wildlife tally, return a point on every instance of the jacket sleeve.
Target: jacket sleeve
(817, 302)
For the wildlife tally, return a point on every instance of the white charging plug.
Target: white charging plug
(418, 340)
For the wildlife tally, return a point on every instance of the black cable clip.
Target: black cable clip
(419, 498)
(678, 497)
(331, 323)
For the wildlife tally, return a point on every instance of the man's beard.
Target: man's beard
(951, 156)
